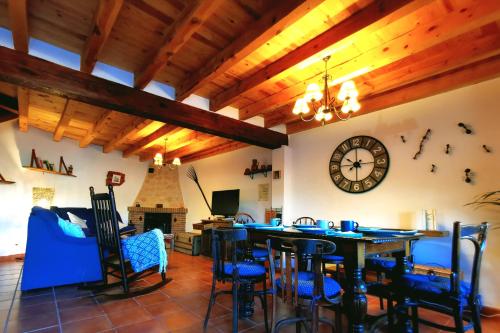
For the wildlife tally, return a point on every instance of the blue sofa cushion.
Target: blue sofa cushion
(70, 229)
(86, 214)
(258, 252)
(431, 284)
(246, 269)
(305, 287)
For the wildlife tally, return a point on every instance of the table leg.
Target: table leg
(403, 267)
(355, 301)
(245, 300)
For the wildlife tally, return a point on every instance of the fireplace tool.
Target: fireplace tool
(191, 173)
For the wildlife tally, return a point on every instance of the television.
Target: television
(226, 202)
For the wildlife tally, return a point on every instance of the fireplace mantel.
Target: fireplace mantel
(181, 210)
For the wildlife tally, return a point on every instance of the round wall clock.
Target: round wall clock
(359, 164)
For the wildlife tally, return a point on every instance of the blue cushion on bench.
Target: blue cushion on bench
(431, 284)
(246, 269)
(380, 263)
(332, 257)
(258, 252)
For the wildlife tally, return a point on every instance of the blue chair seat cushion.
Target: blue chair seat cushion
(380, 263)
(430, 284)
(306, 286)
(246, 269)
(258, 252)
(332, 257)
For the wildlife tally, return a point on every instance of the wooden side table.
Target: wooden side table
(171, 240)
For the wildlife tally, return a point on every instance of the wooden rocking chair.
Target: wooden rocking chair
(110, 250)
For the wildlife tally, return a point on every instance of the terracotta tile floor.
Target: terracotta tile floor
(178, 307)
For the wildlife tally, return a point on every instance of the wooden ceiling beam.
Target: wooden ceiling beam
(275, 20)
(182, 141)
(457, 78)
(6, 115)
(461, 50)
(148, 140)
(96, 128)
(104, 19)
(448, 28)
(217, 150)
(18, 18)
(178, 34)
(68, 112)
(133, 128)
(23, 101)
(41, 75)
(354, 23)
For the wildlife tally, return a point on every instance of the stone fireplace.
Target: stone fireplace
(159, 203)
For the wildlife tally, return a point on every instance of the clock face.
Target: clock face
(359, 164)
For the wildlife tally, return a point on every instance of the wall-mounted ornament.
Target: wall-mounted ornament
(447, 149)
(486, 149)
(468, 175)
(433, 168)
(421, 147)
(468, 130)
(403, 138)
(115, 178)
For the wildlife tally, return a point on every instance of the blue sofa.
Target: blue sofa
(88, 215)
(54, 259)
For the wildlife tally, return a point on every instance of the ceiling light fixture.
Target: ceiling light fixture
(160, 159)
(323, 104)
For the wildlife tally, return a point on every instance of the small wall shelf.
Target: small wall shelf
(251, 174)
(37, 165)
(4, 181)
(48, 171)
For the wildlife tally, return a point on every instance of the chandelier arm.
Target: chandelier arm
(307, 120)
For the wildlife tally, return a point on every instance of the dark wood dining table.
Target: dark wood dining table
(355, 251)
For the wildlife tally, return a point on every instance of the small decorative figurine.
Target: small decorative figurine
(467, 175)
(421, 147)
(467, 130)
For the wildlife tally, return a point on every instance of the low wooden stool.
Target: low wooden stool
(171, 240)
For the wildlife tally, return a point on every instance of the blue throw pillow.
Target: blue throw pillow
(70, 229)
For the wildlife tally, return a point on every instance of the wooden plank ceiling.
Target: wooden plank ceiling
(257, 56)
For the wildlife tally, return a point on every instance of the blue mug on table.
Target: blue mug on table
(348, 225)
(275, 221)
(324, 224)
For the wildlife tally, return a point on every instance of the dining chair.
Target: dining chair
(295, 286)
(113, 261)
(452, 296)
(225, 243)
(258, 253)
(304, 220)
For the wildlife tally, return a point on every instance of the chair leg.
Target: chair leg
(235, 306)
(264, 305)
(297, 325)
(338, 319)
(390, 314)
(414, 318)
(315, 317)
(476, 317)
(211, 301)
(458, 316)
(273, 315)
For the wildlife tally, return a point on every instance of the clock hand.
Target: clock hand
(347, 165)
(356, 174)
(349, 160)
(367, 163)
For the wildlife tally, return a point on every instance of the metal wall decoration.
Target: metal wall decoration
(467, 175)
(486, 149)
(403, 139)
(421, 147)
(433, 168)
(467, 129)
(448, 148)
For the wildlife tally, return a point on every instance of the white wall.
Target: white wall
(225, 172)
(409, 186)
(90, 167)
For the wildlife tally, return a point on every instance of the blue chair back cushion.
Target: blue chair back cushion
(306, 286)
(53, 258)
(246, 269)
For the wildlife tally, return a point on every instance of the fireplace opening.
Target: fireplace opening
(162, 221)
